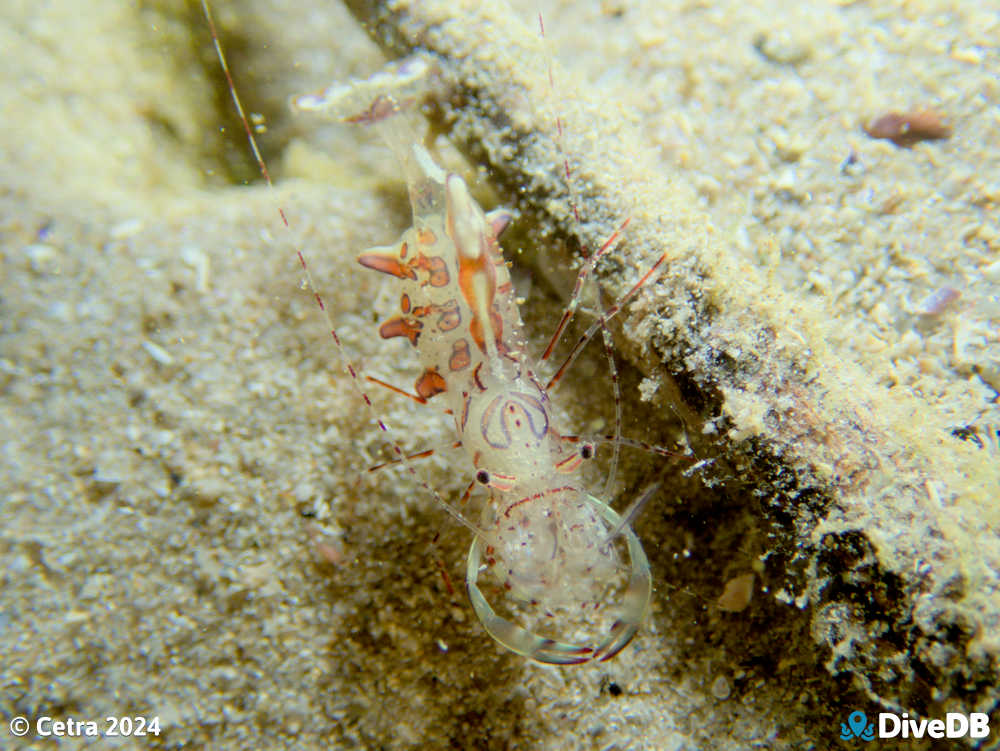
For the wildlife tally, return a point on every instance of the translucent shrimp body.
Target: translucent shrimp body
(544, 537)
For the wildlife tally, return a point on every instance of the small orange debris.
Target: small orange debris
(908, 128)
(736, 596)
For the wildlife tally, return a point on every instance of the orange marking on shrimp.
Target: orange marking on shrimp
(430, 383)
(404, 303)
(460, 358)
(467, 494)
(477, 276)
(387, 263)
(400, 326)
(436, 268)
(451, 316)
(477, 279)
(476, 331)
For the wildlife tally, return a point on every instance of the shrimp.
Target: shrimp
(545, 538)
(548, 543)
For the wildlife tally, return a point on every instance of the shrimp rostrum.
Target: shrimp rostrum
(550, 546)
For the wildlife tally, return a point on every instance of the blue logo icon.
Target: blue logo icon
(857, 726)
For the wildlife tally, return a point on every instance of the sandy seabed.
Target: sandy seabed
(178, 437)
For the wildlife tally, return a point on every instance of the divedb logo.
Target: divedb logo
(892, 725)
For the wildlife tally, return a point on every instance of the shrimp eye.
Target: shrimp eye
(587, 451)
(483, 477)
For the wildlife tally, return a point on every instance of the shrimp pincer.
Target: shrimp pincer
(551, 545)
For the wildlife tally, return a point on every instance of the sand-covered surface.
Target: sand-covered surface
(179, 445)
